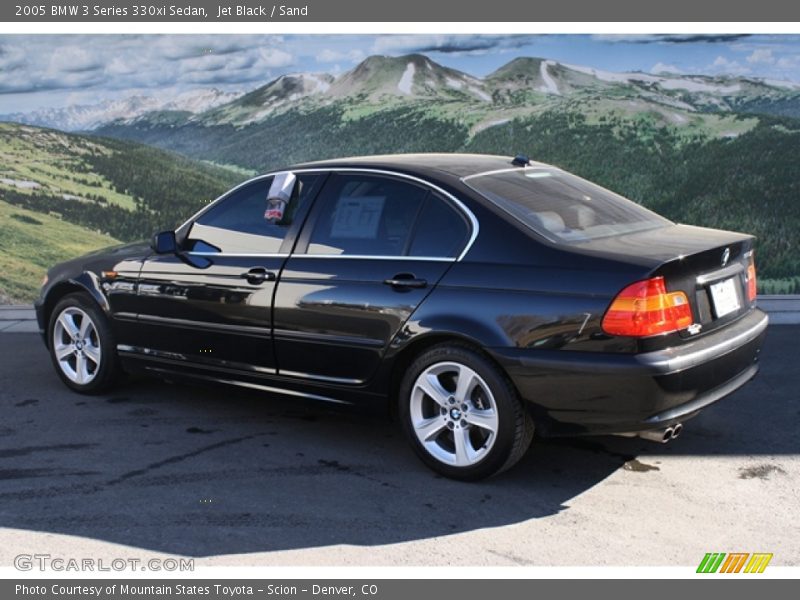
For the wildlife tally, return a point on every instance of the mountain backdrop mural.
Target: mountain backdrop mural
(713, 150)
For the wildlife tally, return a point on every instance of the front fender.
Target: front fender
(90, 282)
(84, 282)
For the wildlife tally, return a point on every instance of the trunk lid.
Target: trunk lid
(709, 265)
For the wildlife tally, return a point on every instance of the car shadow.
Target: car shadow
(203, 471)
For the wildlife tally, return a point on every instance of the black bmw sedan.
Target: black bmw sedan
(477, 298)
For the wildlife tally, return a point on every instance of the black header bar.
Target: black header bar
(516, 11)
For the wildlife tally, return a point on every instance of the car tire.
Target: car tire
(462, 415)
(82, 345)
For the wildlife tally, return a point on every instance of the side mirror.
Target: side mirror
(164, 243)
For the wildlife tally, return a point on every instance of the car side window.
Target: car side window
(441, 230)
(239, 224)
(366, 215)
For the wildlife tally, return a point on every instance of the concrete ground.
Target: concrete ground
(239, 478)
(16, 318)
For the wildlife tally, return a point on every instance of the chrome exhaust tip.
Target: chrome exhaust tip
(661, 436)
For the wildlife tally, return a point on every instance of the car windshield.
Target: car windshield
(563, 207)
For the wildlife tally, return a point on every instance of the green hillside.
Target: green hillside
(56, 186)
(31, 243)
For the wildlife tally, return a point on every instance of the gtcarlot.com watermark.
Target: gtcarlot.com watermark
(47, 562)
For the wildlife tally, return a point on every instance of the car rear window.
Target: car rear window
(563, 207)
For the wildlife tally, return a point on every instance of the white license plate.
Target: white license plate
(725, 298)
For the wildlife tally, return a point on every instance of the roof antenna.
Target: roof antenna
(521, 160)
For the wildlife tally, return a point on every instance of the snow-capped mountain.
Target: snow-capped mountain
(373, 81)
(411, 76)
(282, 92)
(90, 116)
(523, 85)
(689, 92)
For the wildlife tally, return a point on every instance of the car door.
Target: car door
(211, 303)
(372, 249)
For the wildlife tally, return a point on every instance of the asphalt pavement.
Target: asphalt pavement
(240, 478)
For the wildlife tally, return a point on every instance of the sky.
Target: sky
(54, 71)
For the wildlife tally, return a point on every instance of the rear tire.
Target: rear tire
(82, 346)
(462, 415)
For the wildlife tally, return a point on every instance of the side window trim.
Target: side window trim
(376, 257)
(433, 192)
(183, 229)
(292, 233)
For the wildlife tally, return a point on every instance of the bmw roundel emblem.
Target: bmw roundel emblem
(726, 256)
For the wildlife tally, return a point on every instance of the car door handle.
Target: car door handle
(258, 275)
(405, 280)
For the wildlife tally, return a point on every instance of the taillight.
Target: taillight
(646, 308)
(751, 278)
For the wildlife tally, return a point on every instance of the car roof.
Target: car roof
(455, 165)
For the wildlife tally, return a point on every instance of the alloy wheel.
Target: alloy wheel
(454, 414)
(76, 345)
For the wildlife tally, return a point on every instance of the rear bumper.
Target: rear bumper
(586, 392)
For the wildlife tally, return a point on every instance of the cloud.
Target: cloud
(173, 50)
(776, 56)
(328, 55)
(74, 59)
(448, 44)
(274, 58)
(725, 66)
(205, 78)
(11, 58)
(108, 66)
(120, 66)
(461, 46)
(789, 62)
(177, 48)
(702, 39)
(671, 39)
(660, 67)
(761, 56)
(214, 62)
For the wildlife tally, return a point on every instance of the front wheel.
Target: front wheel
(82, 347)
(462, 415)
